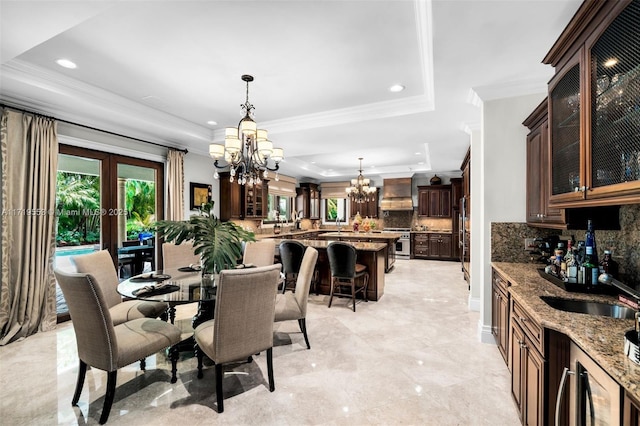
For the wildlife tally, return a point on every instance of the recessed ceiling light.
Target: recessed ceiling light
(212, 123)
(418, 153)
(396, 88)
(610, 62)
(66, 63)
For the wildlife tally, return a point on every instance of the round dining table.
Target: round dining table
(175, 287)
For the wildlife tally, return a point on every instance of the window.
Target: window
(335, 209)
(278, 206)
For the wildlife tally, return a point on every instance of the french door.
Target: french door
(107, 201)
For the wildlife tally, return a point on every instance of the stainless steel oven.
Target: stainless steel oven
(403, 245)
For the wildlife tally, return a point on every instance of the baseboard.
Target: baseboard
(474, 304)
(485, 333)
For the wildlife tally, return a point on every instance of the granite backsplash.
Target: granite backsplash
(507, 242)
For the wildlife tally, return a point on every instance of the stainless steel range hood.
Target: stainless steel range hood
(396, 195)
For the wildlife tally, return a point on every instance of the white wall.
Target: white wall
(200, 169)
(498, 163)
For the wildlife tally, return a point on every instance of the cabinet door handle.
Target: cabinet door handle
(561, 387)
(522, 319)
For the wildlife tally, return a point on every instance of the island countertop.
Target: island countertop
(382, 236)
(602, 338)
(322, 244)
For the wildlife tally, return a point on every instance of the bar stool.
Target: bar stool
(346, 272)
(291, 253)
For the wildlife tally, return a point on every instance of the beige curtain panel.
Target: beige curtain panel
(175, 185)
(29, 163)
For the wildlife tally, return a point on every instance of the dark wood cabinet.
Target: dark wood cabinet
(308, 200)
(538, 172)
(431, 246)
(526, 365)
(594, 107)
(631, 411)
(367, 208)
(242, 201)
(500, 313)
(434, 201)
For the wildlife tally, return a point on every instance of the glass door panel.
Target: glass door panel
(135, 215)
(78, 209)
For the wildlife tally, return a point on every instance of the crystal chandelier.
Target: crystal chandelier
(246, 149)
(360, 191)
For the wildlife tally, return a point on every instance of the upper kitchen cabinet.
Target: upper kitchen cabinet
(538, 176)
(366, 208)
(594, 107)
(308, 200)
(242, 201)
(434, 201)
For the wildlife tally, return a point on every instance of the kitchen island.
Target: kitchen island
(600, 337)
(389, 238)
(372, 255)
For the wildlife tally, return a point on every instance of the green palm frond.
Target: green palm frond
(218, 243)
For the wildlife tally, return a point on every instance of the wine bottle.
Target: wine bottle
(590, 243)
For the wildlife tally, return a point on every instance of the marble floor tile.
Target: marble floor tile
(411, 358)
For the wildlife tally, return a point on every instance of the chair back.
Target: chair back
(291, 253)
(244, 312)
(95, 335)
(176, 256)
(259, 253)
(305, 275)
(100, 265)
(342, 259)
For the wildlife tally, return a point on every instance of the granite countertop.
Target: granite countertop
(602, 338)
(383, 236)
(288, 233)
(322, 244)
(433, 231)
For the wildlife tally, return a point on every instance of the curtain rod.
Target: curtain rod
(94, 128)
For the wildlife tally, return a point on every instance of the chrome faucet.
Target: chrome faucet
(339, 224)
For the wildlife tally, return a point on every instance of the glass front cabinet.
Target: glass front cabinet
(594, 109)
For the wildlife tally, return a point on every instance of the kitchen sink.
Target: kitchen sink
(589, 307)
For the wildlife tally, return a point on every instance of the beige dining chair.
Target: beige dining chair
(100, 265)
(102, 344)
(259, 253)
(242, 325)
(293, 305)
(179, 255)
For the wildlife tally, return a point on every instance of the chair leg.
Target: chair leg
(219, 395)
(303, 327)
(174, 355)
(353, 293)
(82, 372)
(200, 356)
(331, 292)
(143, 364)
(272, 385)
(108, 398)
(366, 285)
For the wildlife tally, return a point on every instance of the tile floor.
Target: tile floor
(412, 358)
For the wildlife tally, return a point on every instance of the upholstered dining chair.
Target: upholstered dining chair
(179, 255)
(106, 346)
(291, 253)
(293, 306)
(243, 321)
(346, 272)
(259, 253)
(100, 265)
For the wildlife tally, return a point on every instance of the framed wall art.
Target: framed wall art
(200, 194)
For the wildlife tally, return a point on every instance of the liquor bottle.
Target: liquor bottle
(608, 265)
(590, 242)
(590, 268)
(570, 263)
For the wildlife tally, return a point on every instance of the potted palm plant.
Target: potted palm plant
(218, 243)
